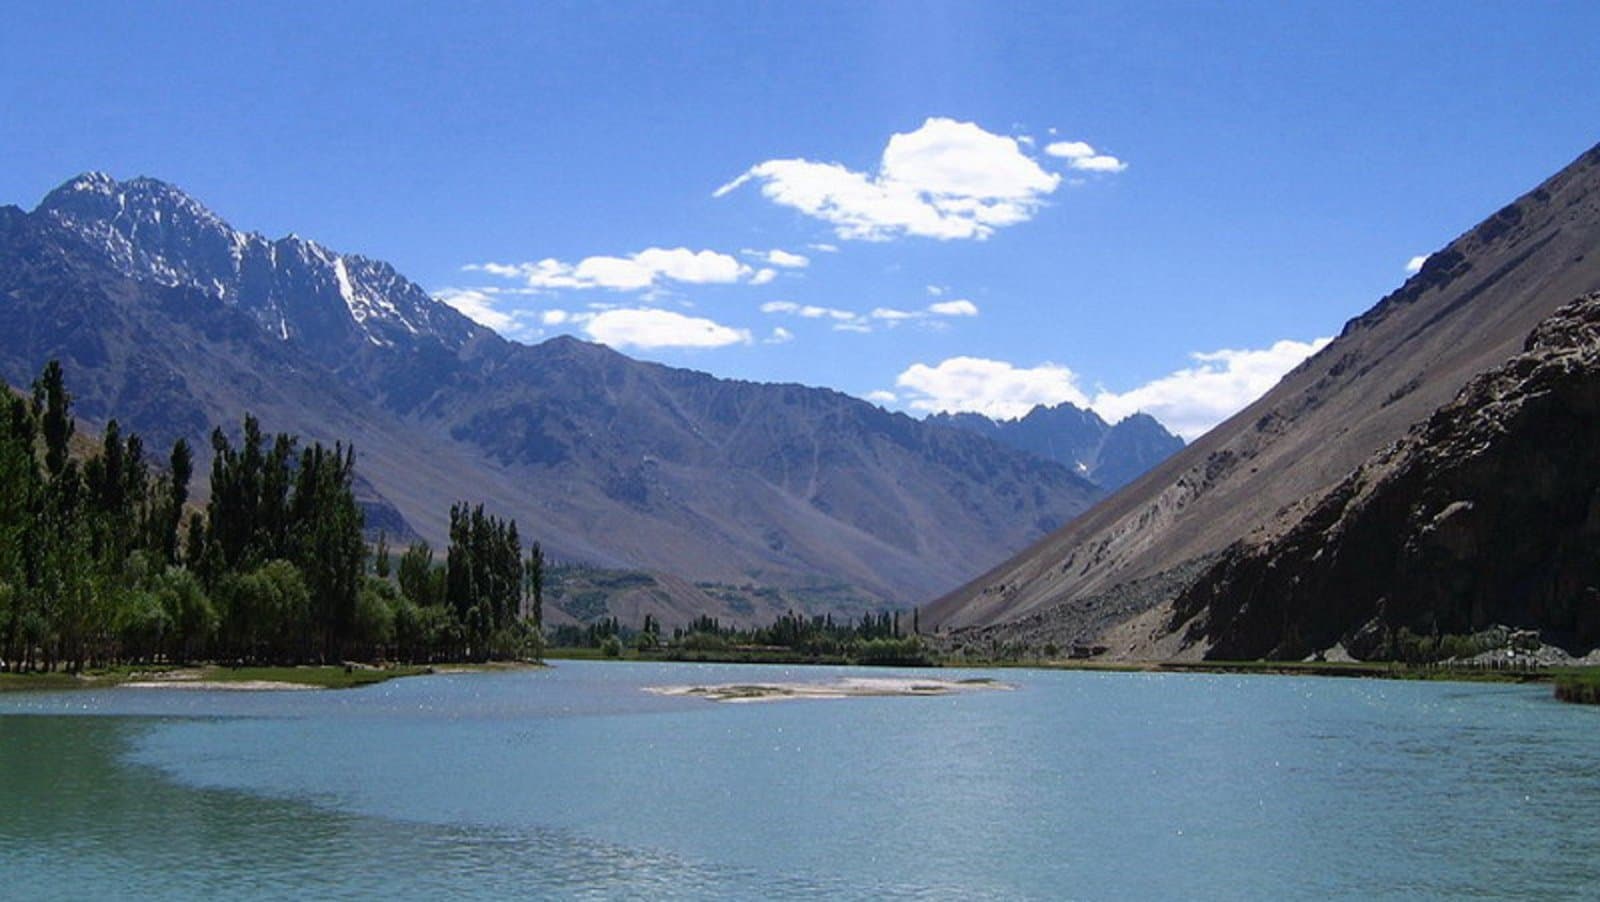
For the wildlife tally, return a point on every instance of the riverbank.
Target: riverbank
(247, 679)
(1584, 681)
(1579, 687)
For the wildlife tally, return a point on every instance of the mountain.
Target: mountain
(1486, 514)
(169, 319)
(1111, 456)
(1252, 478)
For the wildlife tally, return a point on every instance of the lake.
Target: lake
(573, 782)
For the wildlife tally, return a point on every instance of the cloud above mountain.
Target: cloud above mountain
(651, 328)
(945, 180)
(646, 269)
(1189, 401)
(483, 308)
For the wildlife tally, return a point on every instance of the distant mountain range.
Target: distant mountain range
(172, 321)
(1300, 523)
(1112, 456)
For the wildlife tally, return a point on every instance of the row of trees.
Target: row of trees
(875, 638)
(274, 570)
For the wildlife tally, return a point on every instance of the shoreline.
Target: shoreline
(1573, 684)
(220, 677)
(1383, 670)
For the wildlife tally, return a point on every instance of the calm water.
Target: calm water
(572, 782)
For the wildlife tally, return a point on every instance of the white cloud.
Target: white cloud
(1220, 384)
(1414, 265)
(1100, 163)
(563, 317)
(1082, 156)
(881, 397)
(1070, 150)
(946, 180)
(892, 315)
(957, 307)
(779, 336)
(635, 272)
(648, 328)
(763, 276)
(993, 388)
(780, 257)
(824, 248)
(808, 311)
(1189, 401)
(851, 321)
(479, 306)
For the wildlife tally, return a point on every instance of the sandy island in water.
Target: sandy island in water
(858, 687)
(182, 680)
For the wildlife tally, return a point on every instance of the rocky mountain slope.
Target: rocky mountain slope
(1110, 456)
(172, 321)
(1486, 514)
(1253, 477)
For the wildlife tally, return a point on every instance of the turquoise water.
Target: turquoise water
(573, 782)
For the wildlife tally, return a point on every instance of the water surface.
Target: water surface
(573, 782)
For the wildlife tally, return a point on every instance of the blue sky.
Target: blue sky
(1140, 206)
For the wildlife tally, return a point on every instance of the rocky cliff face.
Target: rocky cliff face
(1487, 513)
(1253, 477)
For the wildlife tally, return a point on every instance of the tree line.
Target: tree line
(877, 638)
(103, 560)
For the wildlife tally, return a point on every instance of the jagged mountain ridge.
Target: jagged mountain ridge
(1486, 514)
(300, 290)
(1109, 455)
(1466, 311)
(172, 321)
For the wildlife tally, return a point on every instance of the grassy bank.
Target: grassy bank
(323, 677)
(1579, 686)
(332, 676)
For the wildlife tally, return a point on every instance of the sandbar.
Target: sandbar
(850, 687)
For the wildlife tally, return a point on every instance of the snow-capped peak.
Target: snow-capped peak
(296, 289)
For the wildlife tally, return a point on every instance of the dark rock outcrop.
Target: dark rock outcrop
(1487, 513)
(1252, 478)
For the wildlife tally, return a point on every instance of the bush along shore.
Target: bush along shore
(106, 567)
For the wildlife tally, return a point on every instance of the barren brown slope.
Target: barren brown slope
(1468, 310)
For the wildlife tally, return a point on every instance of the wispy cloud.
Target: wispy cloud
(1414, 265)
(1083, 157)
(938, 309)
(644, 270)
(809, 311)
(779, 257)
(852, 321)
(945, 180)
